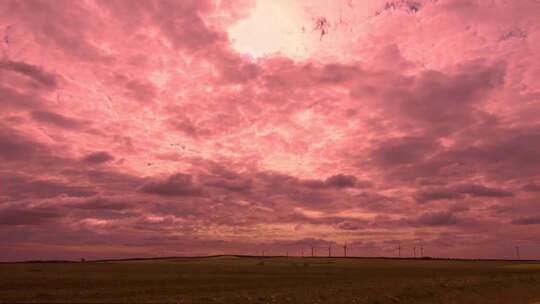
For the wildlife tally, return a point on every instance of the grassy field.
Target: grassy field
(272, 280)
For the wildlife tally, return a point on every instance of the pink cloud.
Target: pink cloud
(152, 127)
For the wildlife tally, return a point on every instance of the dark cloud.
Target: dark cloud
(531, 188)
(14, 146)
(141, 91)
(241, 185)
(58, 120)
(509, 152)
(438, 219)
(457, 192)
(459, 207)
(482, 191)
(436, 195)
(402, 151)
(17, 187)
(438, 102)
(338, 181)
(118, 180)
(98, 158)
(531, 220)
(235, 68)
(501, 208)
(101, 203)
(181, 23)
(341, 181)
(191, 128)
(350, 225)
(185, 27)
(336, 73)
(11, 99)
(41, 78)
(27, 216)
(69, 31)
(179, 184)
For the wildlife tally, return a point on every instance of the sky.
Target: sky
(197, 127)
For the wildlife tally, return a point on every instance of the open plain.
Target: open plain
(232, 279)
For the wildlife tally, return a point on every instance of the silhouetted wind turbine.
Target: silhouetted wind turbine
(329, 250)
(312, 251)
(517, 253)
(345, 250)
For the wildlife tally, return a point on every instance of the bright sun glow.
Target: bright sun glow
(289, 28)
(273, 27)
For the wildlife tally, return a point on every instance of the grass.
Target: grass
(272, 280)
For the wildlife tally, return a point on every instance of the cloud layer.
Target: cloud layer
(143, 128)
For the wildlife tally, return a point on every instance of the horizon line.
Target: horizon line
(426, 258)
